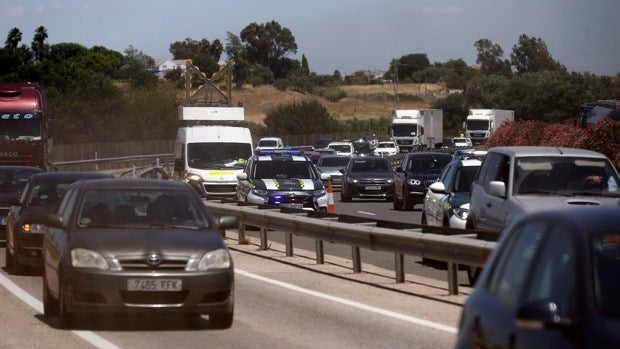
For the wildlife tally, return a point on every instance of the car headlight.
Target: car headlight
(218, 259)
(34, 228)
(193, 177)
(83, 258)
(414, 181)
(461, 213)
(260, 192)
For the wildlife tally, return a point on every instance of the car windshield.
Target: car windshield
(386, 145)
(218, 155)
(370, 165)
(606, 261)
(139, 208)
(427, 163)
(284, 170)
(333, 162)
(267, 143)
(343, 148)
(13, 180)
(565, 176)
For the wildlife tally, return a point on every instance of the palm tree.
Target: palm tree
(38, 43)
(13, 39)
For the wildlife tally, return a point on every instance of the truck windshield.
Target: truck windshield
(20, 129)
(404, 130)
(477, 124)
(218, 155)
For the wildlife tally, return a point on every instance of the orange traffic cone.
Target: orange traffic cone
(331, 208)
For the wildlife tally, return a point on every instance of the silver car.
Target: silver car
(331, 165)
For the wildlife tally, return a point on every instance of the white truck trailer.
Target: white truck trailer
(211, 147)
(417, 128)
(481, 123)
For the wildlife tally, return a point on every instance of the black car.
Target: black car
(552, 282)
(12, 181)
(136, 245)
(321, 143)
(418, 170)
(41, 195)
(367, 177)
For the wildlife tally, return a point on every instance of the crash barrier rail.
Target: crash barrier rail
(435, 243)
(138, 161)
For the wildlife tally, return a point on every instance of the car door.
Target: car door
(490, 208)
(435, 202)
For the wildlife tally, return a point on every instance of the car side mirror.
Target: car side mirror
(497, 188)
(342, 170)
(242, 176)
(540, 314)
(51, 220)
(437, 187)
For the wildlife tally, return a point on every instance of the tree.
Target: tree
(404, 67)
(530, 55)
(38, 45)
(204, 54)
(13, 39)
(235, 51)
(267, 43)
(305, 69)
(305, 117)
(490, 58)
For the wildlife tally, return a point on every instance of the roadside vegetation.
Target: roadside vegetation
(100, 95)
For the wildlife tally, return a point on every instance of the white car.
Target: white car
(270, 143)
(386, 148)
(462, 142)
(342, 148)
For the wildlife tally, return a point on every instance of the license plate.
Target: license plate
(293, 205)
(372, 187)
(154, 285)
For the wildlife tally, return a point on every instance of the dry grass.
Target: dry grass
(259, 100)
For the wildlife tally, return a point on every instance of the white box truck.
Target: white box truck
(417, 128)
(211, 147)
(481, 123)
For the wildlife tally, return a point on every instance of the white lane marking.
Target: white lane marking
(368, 213)
(88, 336)
(351, 303)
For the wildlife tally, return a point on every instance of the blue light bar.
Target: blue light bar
(280, 152)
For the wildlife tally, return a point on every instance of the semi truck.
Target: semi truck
(481, 123)
(417, 128)
(25, 127)
(211, 147)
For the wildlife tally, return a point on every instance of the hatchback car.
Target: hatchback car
(136, 245)
(13, 179)
(447, 201)
(330, 165)
(285, 178)
(367, 177)
(41, 195)
(551, 282)
(418, 170)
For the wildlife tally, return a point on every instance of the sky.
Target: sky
(343, 35)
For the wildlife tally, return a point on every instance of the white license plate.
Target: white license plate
(372, 187)
(154, 285)
(293, 205)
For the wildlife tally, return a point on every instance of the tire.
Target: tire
(344, 197)
(473, 273)
(221, 320)
(65, 317)
(8, 260)
(51, 305)
(407, 202)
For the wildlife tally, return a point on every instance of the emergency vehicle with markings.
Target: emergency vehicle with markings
(284, 178)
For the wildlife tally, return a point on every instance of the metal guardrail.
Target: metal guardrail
(453, 249)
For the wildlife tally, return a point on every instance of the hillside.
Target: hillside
(260, 99)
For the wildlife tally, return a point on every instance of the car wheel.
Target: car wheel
(50, 304)
(472, 274)
(407, 202)
(344, 197)
(8, 260)
(221, 320)
(65, 318)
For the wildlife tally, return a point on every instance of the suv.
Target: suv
(285, 178)
(417, 171)
(517, 180)
(269, 143)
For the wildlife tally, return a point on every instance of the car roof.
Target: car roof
(52, 177)
(545, 151)
(136, 183)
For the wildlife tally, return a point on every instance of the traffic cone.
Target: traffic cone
(331, 208)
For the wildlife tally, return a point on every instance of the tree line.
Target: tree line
(97, 94)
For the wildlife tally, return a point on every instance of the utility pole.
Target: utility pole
(396, 101)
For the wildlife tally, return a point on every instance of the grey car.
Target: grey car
(331, 165)
(136, 246)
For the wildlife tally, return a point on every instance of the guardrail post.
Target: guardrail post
(241, 230)
(288, 237)
(356, 259)
(263, 239)
(453, 280)
(320, 254)
(399, 267)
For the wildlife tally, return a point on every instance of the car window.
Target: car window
(553, 277)
(370, 165)
(606, 261)
(67, 204)
(496, 167)
(464, 178)
(510, 271)
(333, 162)
(283, 170)
(444, 177)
